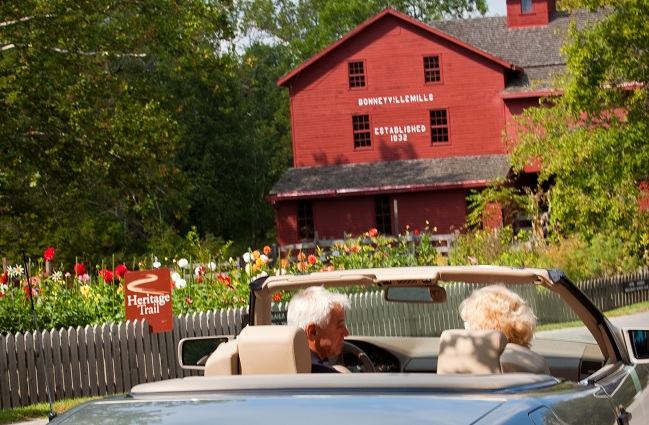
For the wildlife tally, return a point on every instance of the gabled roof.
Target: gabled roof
(536, 51)
(389, 12)
(390, 176)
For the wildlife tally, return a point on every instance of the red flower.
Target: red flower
(373, 232)
(416, 232)
(312, 259)
(3, 278)
(49, 254)
(189, 301)
(80, 269)
(277, 297)
(107, 275)
(120, 271)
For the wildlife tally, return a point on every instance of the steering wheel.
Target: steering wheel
(349, 348)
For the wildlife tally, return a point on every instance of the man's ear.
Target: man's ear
(311, 331)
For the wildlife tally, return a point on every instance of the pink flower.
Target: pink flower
(49, 254)
(473, 260)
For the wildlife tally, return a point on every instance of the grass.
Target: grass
(42, 410)
(622, 311)
(39, 410)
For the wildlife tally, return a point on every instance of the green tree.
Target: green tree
(592, 139)
(308, 26)
(88, 119)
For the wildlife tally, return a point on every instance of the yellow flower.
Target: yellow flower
(85, 290)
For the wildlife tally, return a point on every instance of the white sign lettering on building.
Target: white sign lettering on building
(395, 100)
(399, 133)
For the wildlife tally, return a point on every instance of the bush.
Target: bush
(64, 298)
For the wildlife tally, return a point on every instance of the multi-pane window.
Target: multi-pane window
(305, 220)
(439, 126)
(382, 214)
(432, 70)
(356, 74)
(526, 6)
(362, 136)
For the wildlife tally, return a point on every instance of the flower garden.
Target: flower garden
(93, 294)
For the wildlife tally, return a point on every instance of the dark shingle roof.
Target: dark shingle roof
(536, 49)
(416, 174)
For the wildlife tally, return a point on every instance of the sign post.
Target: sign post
(147, 295)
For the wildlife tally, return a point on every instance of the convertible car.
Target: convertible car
(455, 376)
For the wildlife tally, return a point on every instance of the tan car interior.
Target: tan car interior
(284, 350)
(572, 360)
(485, 351)
(262, 350)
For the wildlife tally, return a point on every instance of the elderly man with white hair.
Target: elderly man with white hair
(322, 316)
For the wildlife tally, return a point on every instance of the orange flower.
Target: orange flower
(302, 266)
(373, 232)
(266, 250)
(284, 263)
(356, 248)
(312, 259)
(301, 256)
(255, 254)
(277, 297)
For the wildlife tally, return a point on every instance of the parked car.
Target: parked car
(255, 377)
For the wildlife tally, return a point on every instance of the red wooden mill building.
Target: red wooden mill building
(396, 122)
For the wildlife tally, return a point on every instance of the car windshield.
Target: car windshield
(372, 315)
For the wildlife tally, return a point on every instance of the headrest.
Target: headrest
(517, 358)
(470, 351)
(224, 360)
(273, 350)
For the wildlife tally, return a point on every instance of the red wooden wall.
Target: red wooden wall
(335, 217)
(540, 15)
(322, 104)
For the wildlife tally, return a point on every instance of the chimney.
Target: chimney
(529, 13)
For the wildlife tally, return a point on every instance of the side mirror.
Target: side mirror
(415, 294)
(637, 343)
(194, 352)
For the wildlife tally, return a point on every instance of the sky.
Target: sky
(497, 7)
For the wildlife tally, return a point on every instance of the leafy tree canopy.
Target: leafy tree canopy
(308, 26)
(593, 140)
(87, 118)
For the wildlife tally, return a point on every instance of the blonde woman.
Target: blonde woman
(498, 308)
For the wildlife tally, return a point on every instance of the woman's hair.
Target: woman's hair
(496, 307)
(314, 305)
